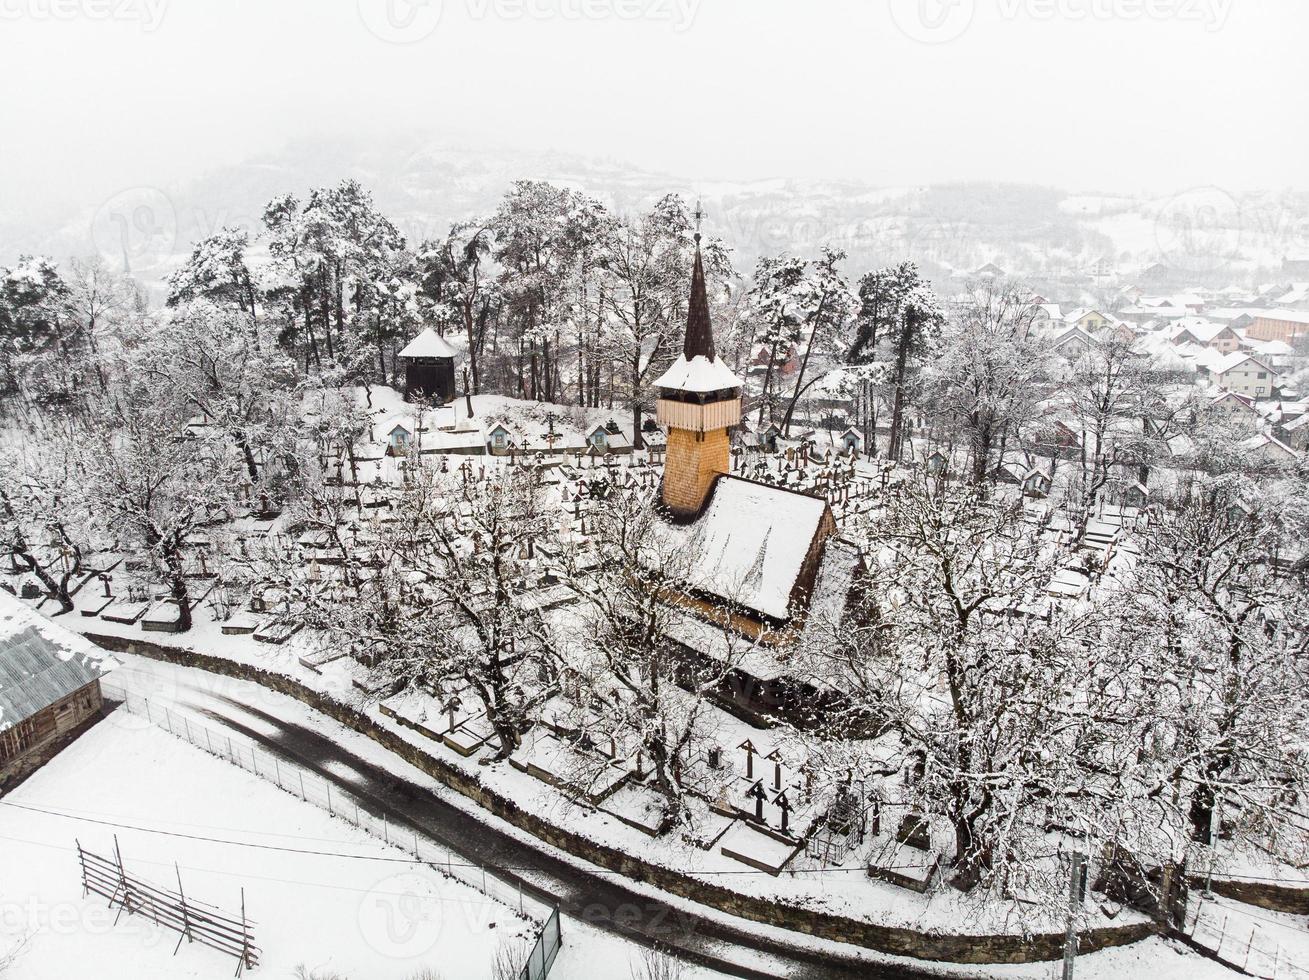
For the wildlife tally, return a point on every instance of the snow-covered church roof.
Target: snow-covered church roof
(429, 344)
(752, 542)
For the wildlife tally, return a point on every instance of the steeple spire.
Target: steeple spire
(699, 400)
(699, 332)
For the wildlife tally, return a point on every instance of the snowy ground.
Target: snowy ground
(589, 952)
(360, 910)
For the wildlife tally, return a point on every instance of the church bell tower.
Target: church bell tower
(699, 399)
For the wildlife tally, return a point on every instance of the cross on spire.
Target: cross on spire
(699, 216)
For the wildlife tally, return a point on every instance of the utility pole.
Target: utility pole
(1213, 848)
(1076, 889)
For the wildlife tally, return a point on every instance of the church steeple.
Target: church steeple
(699, 340)
(699, 400)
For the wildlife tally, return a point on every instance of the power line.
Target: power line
(79, 814)
(280, 880)
(392, 859)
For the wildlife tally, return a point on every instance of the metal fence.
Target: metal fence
(544, 950)
(1239, 942)
(312, 788)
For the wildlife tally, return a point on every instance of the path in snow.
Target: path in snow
(352, 761)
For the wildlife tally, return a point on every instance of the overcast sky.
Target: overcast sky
(96, 95)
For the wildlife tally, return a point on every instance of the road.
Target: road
(601, 899)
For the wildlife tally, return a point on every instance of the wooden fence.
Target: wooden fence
(194, 921)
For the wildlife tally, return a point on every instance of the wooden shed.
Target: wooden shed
(49, 688)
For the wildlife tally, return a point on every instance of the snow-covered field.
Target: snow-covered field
(357, 909)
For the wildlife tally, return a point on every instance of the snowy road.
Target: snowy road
(597, 899)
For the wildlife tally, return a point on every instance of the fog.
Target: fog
(1105, 95)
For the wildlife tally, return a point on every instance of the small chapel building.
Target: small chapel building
(429, 362)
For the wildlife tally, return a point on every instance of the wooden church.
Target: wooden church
(767, 559)
(764, 550)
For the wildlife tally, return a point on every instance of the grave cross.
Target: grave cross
(550, 434)
(757, 792)
(784, 805)
(749, 757)
(775, 757)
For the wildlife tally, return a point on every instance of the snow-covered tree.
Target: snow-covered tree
(946, 650)
(36, 329)
(457, 280)
(539, 232)
(217, 271)
(647, 265)
(826, 305)
(776, 319)
(651, 696)
(1230, 642)
(443, 609)
(223, 364)
(1118, 404)
(41, 510)
(150, 481)
(986, 380)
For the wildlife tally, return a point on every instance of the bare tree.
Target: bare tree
(651, 692)
(988, 377)
(946, 648)
(656, 963)
(1226, 711)
(443, 610)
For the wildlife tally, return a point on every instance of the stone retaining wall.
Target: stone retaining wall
(1265, 894)
(827, 925)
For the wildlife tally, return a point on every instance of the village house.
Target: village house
(49, 688)
(1244, 375)
(1295, 433)
(1205, 333)
(1295, 298)
(1287, 326)
(1091, 321)
(1296, 265)
(1073, 343)
(1236, 408)
(1269, 451)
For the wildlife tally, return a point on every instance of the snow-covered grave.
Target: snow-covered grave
(757, 847)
